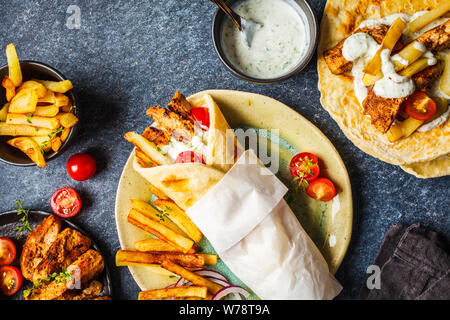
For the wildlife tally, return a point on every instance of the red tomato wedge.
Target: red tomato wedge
(304, 165)
(7, 251)
(321, 189)
(65, 202)
(201, 117)
(10, 280)
(420, 107)
(189, 157)
(81, 166)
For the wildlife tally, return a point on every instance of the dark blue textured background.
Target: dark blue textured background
(129, 55)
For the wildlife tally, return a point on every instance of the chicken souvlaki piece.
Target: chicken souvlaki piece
(172, 123)
(89, 265)
(335, 59)
(66, 248)
(37, 244)
(155, 135)
(438, 38)
(180, 105)
(92, 290)
(382, 111)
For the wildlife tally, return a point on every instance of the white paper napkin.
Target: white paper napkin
(256, 234)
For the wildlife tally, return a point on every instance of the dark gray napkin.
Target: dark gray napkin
(414, 265)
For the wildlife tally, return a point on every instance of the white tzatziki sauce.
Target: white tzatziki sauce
(392, 85)
(277, 46)
(436, 122)
(359, 48)
(197, 144)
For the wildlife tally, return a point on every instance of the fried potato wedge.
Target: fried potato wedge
(148, 147)
(445, 79)
(210, 259)
(158, 245)
(24, 101)
(144, 158)
(56, 143)
(159, 230)
(43, 142)
(137, 258)
(64, 134)
(67, 119)
(191, 276)
(46, 111)
(429, 17)
(403, 129)
(41, 91)
(35, 121)
(61, 100)
(7, 129)
(15, 73)
(48, 99)
(57, 86)
(177, 292)
(158, 193)
(9, 87)
(4, 112)
(30, 148)
(180, 218)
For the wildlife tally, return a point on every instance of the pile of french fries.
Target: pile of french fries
(38, 113)
(172, 248)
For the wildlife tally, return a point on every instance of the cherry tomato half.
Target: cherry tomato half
(189, 157)
(201, 117)
(65, 202)
(81, 166)
(10, 280)
(305, 165)
(420, 107)
(321, 189)
(7, 251)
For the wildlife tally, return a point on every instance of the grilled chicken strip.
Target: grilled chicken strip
(383, 111)
(180, 105)
(172, 123)
(38, 242)
(89, 265)
(156, 136)
(92, 290)
(438, 38)
(66, 248)
(336, 61)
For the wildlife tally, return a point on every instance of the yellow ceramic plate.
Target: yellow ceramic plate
(328, 224)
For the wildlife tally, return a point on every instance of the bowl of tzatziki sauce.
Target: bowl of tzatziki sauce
(280, 48)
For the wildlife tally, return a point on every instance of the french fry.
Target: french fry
(67, 119)
(144, 158)
(41, 91)
(415, 67)
(148, 147)
(24, 101)
(9, 87)
(445, 79)
(158, 245)
(56, 144)
(43, 142)
(146, 209)
(180, 218)
(61, 100)
(393, 34)
(64, 134)
(177, 292)
(15, 73)
(158, 193)
(403, 129)
(49, 98)
(57, 86)
(30, 148)
(35, 121)
(46, 111)
(429, 17)
(4, 112)
(159, 230)
(210, 259)
(191, 276)
(7, 129)
(408, 55)
(137, 258)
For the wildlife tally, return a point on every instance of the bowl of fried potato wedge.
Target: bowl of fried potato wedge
(38, 114)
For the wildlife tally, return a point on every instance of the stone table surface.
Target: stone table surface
(129, 55)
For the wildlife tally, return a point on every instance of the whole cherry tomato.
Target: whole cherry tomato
(10, 280)
(81, 166)
(7, 251)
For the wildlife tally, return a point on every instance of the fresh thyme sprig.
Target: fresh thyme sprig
(57, 276)
(24, 218)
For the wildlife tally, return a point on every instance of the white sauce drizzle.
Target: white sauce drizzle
(435, 123)
(392, 85)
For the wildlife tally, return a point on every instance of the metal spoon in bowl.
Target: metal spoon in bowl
(247, 27)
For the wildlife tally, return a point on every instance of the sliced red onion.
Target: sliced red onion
(171, 286)
(222, 293)
(211, 273)
(219, 281)
(179, 282)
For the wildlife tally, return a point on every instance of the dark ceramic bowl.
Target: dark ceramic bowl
(311, 25)
(41, 71)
